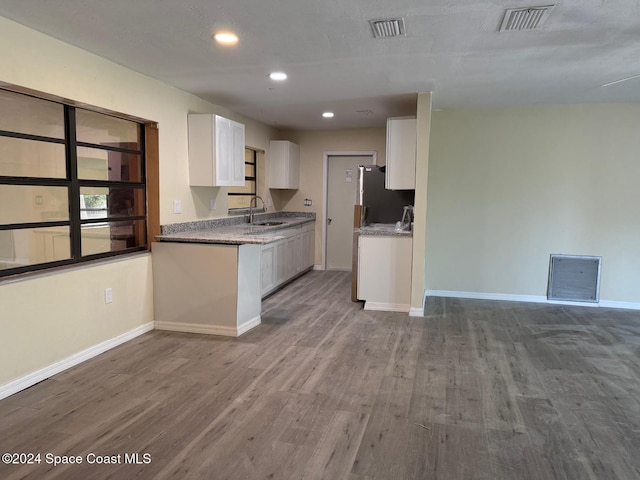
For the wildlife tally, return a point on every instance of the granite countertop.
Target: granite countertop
(234, 230)
(383, 229)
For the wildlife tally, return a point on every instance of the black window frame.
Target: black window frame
(246, 177)
(73, 183)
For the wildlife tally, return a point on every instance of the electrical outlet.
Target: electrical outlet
(177, 206)
(307, 202)
(212, 204)
(108, 295)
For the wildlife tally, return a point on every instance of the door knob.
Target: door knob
(328, 221)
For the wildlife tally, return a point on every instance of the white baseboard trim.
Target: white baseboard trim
(197, 328)
(620, 305)
(508, 297)
(318, 267)
(246, 326)
(573, 304)
(387, 307)
(209, 329)
(39, 375)
(529, 298)
(419, 312)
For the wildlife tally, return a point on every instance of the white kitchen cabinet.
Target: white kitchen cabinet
(279, 270)
(308, 247)
(287, 258)
(268, 267)
(384, 272)
(284, 164)
(216, 151)
(401, 154)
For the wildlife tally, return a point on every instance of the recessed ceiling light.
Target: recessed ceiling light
(327, 114)
(278, 76)
(226, 38)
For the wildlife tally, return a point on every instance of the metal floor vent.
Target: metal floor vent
(388, 28)
(527, 18)
(574, 278)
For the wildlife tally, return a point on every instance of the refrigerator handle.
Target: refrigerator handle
(360, 192)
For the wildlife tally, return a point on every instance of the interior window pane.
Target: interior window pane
(92, 127)
(249, 188)
(33, 203)
(30, 246)
(239, 201)
(96, 164)
(33, 116)
(111, 202)
(31, 158)
(113, 236)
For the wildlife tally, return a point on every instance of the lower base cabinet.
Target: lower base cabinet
(384, 272)
(286, 258)
(206, 288)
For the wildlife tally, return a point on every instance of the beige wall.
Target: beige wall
(174, 163)
(46, 319)
(39, 62)
(313, 144)
(423, 134)
(508, 187)
(52, 317)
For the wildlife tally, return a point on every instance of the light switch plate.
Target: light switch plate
(177, 206)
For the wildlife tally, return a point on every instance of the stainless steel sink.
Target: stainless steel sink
(268, 224)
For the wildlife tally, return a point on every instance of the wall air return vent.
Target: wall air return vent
(528, 18)
(388, 28)
(574, 278)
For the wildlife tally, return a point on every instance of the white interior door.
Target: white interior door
(342, 185)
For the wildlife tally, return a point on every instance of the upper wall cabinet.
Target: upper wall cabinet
(401, 154)
(216, 151)
(284, 164)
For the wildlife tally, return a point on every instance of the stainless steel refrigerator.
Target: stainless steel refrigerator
(380, 205)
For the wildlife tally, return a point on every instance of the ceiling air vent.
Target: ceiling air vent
(528, 18)
(388, 28)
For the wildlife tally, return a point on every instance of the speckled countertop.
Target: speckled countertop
(234, 230)
(383, 229)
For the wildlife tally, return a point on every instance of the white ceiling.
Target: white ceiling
(452, 48)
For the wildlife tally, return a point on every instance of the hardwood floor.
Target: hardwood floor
(323, 389)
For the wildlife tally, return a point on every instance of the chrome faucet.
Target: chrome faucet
(254, 202)
(407, 217)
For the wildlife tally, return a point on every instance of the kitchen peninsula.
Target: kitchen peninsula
(210, 276)
(384, 267)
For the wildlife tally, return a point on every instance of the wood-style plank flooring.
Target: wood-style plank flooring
(323, 389)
